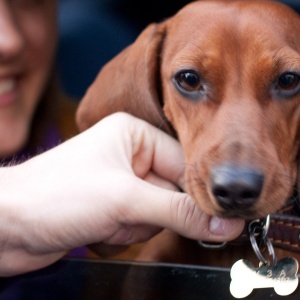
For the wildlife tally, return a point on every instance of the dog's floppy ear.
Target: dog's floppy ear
(130, 82)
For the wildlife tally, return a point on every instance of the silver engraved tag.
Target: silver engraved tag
(282, 277)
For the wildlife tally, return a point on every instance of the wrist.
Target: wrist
(21, 235)
(11, 227)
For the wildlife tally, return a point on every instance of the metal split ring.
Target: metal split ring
(258, 231)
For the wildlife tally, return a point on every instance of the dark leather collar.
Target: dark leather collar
(284, 231)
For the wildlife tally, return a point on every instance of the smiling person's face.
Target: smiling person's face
(28, 36)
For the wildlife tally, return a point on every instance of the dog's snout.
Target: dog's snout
(236, 188)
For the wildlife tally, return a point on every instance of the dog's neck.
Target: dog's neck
(292, 205)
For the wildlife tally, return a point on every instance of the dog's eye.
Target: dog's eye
(287, 85)
(288, 81)
(189, 81)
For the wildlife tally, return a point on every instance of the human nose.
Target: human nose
(11, 40)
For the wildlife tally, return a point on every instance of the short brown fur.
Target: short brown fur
(240, 48)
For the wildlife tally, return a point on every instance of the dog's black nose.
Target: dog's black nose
(236, 187)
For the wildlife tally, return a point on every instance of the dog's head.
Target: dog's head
(224, 77)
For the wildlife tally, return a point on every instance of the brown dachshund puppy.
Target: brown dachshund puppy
(224, 78)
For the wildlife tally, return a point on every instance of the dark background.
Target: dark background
(94, 31)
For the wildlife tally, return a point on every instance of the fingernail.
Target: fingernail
(219, 226)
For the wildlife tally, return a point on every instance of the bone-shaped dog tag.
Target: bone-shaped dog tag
(282, 277)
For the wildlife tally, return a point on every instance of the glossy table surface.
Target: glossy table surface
(94, 279)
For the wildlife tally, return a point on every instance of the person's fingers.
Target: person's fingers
(178, 212)
(154, 179)
(152, 149)
(128, 235)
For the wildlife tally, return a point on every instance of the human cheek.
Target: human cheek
(40, 32)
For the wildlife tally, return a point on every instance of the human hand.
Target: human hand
(98, 187)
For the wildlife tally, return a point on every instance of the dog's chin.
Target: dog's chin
(249, 214)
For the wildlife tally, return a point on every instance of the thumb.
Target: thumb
(180, 213)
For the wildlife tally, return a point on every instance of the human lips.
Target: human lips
(7, 91)
(6, 86)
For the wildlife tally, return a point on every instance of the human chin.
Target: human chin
(13, 137)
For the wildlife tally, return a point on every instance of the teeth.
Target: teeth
(6, 85)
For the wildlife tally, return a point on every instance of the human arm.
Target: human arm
(94, 188)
